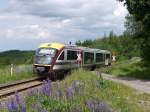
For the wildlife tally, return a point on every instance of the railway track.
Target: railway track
(11, 88)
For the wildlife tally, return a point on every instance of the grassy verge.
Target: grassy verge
(129, 69)
(81, 92)
(19, 73)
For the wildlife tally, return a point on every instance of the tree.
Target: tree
(133, 27)
(140, 10)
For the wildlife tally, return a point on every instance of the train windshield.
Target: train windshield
(46, 51)
(44, 55)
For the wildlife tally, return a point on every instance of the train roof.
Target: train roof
(52, 45)
(87, 49)
(60, 46)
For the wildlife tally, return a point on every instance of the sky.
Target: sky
(24, 24)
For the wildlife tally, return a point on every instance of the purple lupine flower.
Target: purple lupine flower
(23, 106)
(31, 92)
(69, 93)
(102, 106)
(59, 95)
(12, 106)
(44, 110)
(46, 89)
(56, 109)
(90, 104)
(17, 98)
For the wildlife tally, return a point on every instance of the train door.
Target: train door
(74, 58)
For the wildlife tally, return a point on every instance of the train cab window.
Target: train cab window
(88, 58)
(61, 57)
(71, 55)
(99, 57)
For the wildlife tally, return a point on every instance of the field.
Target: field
(82, 91)
(20, 72)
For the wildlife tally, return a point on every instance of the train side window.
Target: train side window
(71, 55)
(61, 57)
(107, 56)
(88, 58)
(99, 57)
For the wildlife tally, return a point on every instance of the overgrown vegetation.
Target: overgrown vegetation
(19, 73)
(139, 22)
(80, 92)
(16, 57)
(129, 69)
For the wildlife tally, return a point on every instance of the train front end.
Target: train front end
(46, 56)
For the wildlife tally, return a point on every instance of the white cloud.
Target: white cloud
(120, 11)
(32, 22)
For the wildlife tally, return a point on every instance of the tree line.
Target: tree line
(121, 46)
(16, 57)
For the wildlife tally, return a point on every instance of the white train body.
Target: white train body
(51, 57)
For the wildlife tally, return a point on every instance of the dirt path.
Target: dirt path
(140, 85)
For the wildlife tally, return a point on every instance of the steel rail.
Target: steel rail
(18, 86)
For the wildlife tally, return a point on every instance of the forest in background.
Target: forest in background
(123, 46)
(16, 57)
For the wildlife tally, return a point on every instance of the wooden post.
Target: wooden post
(11, 69)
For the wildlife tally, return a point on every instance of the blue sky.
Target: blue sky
(3, 4)
(24, 24)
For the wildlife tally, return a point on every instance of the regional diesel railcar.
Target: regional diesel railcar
(54, 57)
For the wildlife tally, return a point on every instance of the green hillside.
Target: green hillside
(16, 57)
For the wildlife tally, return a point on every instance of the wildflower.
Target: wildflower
(46, 89)
(56, 109)
(12, 106)
(44, 110)
(23, 106)
(90, 104)
(69, 92)
(31, 92)
(17, 98)
(102, 106)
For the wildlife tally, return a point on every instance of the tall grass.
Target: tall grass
(19, 73)
(129, 69)
(80, 92)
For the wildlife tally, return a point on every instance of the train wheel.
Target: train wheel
(93, 68)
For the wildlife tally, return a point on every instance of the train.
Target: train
(57, 57)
